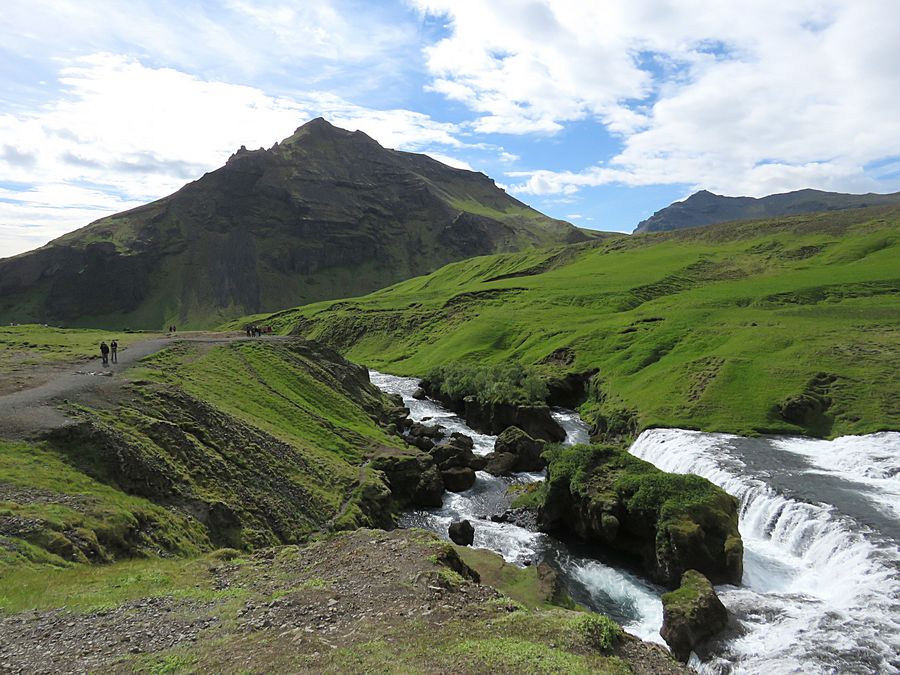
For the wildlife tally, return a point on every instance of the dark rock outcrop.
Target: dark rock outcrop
(462, 533)
(691, 614)
(500, 463)
(419, 394)
(526, 449)
(665, 523)
(571, 390)
(458, 479)
(493, 418)
(413, 479)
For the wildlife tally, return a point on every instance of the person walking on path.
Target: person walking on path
(104, 353)
(114, 346)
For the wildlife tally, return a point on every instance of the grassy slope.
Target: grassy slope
(31, 345)
(294, 461)
(707, 328)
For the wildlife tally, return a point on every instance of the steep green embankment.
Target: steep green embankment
(242, 445)
(789, 325)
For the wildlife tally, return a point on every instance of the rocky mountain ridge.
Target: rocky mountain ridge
(707, 208)
(326, 213)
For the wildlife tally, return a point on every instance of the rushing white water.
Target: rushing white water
(821, 587)
(628, 599)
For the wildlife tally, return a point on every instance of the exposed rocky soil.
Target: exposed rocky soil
(397, 601)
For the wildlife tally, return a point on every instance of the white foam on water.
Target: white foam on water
(872, 460)
(820, 594)
(632, 595)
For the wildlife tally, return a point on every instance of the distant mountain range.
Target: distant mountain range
(327, 213)
(706, 208)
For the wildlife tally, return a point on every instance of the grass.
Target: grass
(498, 383)
(522, 585)
(710, 328)
(106, 522)
(88, 588)
(23, 347)
(239, 445)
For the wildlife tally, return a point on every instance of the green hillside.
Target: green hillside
(326, 213)
(788, 325)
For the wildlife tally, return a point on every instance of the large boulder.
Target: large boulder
(458, 479)
(432, 431)
(456, 452)
(419, 394)
(500, 463)
(526, 449)
(665, 523)
(462, 533)
(413, 478)
(691, 614)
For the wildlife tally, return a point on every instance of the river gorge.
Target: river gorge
(821, 584)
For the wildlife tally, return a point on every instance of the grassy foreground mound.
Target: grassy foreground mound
(366, 601)
(668, 523)
(786, 325)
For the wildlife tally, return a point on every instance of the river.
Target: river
(821, 586)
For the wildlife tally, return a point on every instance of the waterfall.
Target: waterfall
(821, 589)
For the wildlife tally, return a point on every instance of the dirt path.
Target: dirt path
(33, 411)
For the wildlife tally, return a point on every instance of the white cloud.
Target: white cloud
(121, 134)
(765, 97)
(450, 161)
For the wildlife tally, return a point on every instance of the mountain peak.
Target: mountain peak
(326, 213)
(706, 208)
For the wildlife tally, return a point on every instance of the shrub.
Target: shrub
(600, 631)
(504, 383)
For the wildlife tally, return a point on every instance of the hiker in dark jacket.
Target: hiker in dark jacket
(104, 353)
(114, 346)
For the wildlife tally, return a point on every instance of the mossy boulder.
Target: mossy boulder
(666, 523)
(526, 449)
(412, 477)
(691, 614)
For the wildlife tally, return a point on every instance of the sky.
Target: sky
(599, 112)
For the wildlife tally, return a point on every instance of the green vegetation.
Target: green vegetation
(238, 445)
(26, 346)
(600, 631)
(606, 471)
(89, 588)
(531, 587)
(718, 328)
(496, 383)
(53, 515)
(666, 522)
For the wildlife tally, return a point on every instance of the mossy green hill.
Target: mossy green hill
(787, 326)
(326, 213)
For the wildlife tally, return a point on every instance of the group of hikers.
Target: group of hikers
(256, 331)
(109, 351)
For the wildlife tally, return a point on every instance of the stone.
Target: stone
(419, 394)
(691, 614)
(462, 533)
(500, 463)
(526, 449)
(458, 479)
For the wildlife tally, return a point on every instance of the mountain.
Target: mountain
(706, 208)
(327, 213)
